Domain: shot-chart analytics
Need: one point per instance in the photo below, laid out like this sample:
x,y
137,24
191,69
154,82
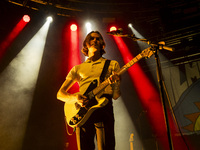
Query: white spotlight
x,y
49,19
88,27
130,25
22,72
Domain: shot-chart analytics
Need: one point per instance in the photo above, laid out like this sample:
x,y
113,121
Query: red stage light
x,y
150,100
26,18
71,57
10,38
113,28
73,27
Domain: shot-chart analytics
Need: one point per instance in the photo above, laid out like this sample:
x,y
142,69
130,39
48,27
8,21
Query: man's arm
x,y
64,96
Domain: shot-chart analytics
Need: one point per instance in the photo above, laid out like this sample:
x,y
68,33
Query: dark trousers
x,y
101,124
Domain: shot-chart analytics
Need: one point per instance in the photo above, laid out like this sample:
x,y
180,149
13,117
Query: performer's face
x,y
94,44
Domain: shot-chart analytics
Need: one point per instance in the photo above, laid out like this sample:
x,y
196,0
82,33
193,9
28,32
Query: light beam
x,y
10,38
18,82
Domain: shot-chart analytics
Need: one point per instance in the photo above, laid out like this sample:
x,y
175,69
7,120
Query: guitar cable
x,y
66,126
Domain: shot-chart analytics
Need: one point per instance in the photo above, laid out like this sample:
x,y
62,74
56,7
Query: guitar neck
x,y
129,64
102,86
105,83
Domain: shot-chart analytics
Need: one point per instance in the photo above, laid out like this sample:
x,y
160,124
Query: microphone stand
x,y
161,88
156,48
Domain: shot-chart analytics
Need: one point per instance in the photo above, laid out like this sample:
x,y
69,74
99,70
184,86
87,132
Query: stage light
x,y
137,34
73,27
88,26
71,57
49,19
22,72
26,18
12,35
142,45
148,96
150,99
113,28
74,49
130,25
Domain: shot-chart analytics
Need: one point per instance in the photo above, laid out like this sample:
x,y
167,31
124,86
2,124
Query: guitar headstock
x,y
147,53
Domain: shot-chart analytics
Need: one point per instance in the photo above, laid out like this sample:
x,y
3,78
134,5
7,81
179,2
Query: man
x,y
101,121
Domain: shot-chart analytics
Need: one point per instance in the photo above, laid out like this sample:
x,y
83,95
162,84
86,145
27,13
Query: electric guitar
x,y
76,115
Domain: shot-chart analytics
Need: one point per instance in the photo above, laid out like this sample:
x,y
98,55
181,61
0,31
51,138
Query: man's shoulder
x,y
114,61
111,60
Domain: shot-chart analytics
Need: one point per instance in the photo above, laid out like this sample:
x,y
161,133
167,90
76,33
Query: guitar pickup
x,y
77,106
90,95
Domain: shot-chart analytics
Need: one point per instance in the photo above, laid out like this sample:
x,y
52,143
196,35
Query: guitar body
x,y
76,115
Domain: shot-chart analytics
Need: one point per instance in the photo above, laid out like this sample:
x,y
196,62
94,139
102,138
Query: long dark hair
x,y
87,40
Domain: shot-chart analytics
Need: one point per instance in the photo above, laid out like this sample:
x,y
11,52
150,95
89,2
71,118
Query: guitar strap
x,y
104,71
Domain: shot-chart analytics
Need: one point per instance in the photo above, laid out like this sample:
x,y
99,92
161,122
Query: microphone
x,y
116,32
161,45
